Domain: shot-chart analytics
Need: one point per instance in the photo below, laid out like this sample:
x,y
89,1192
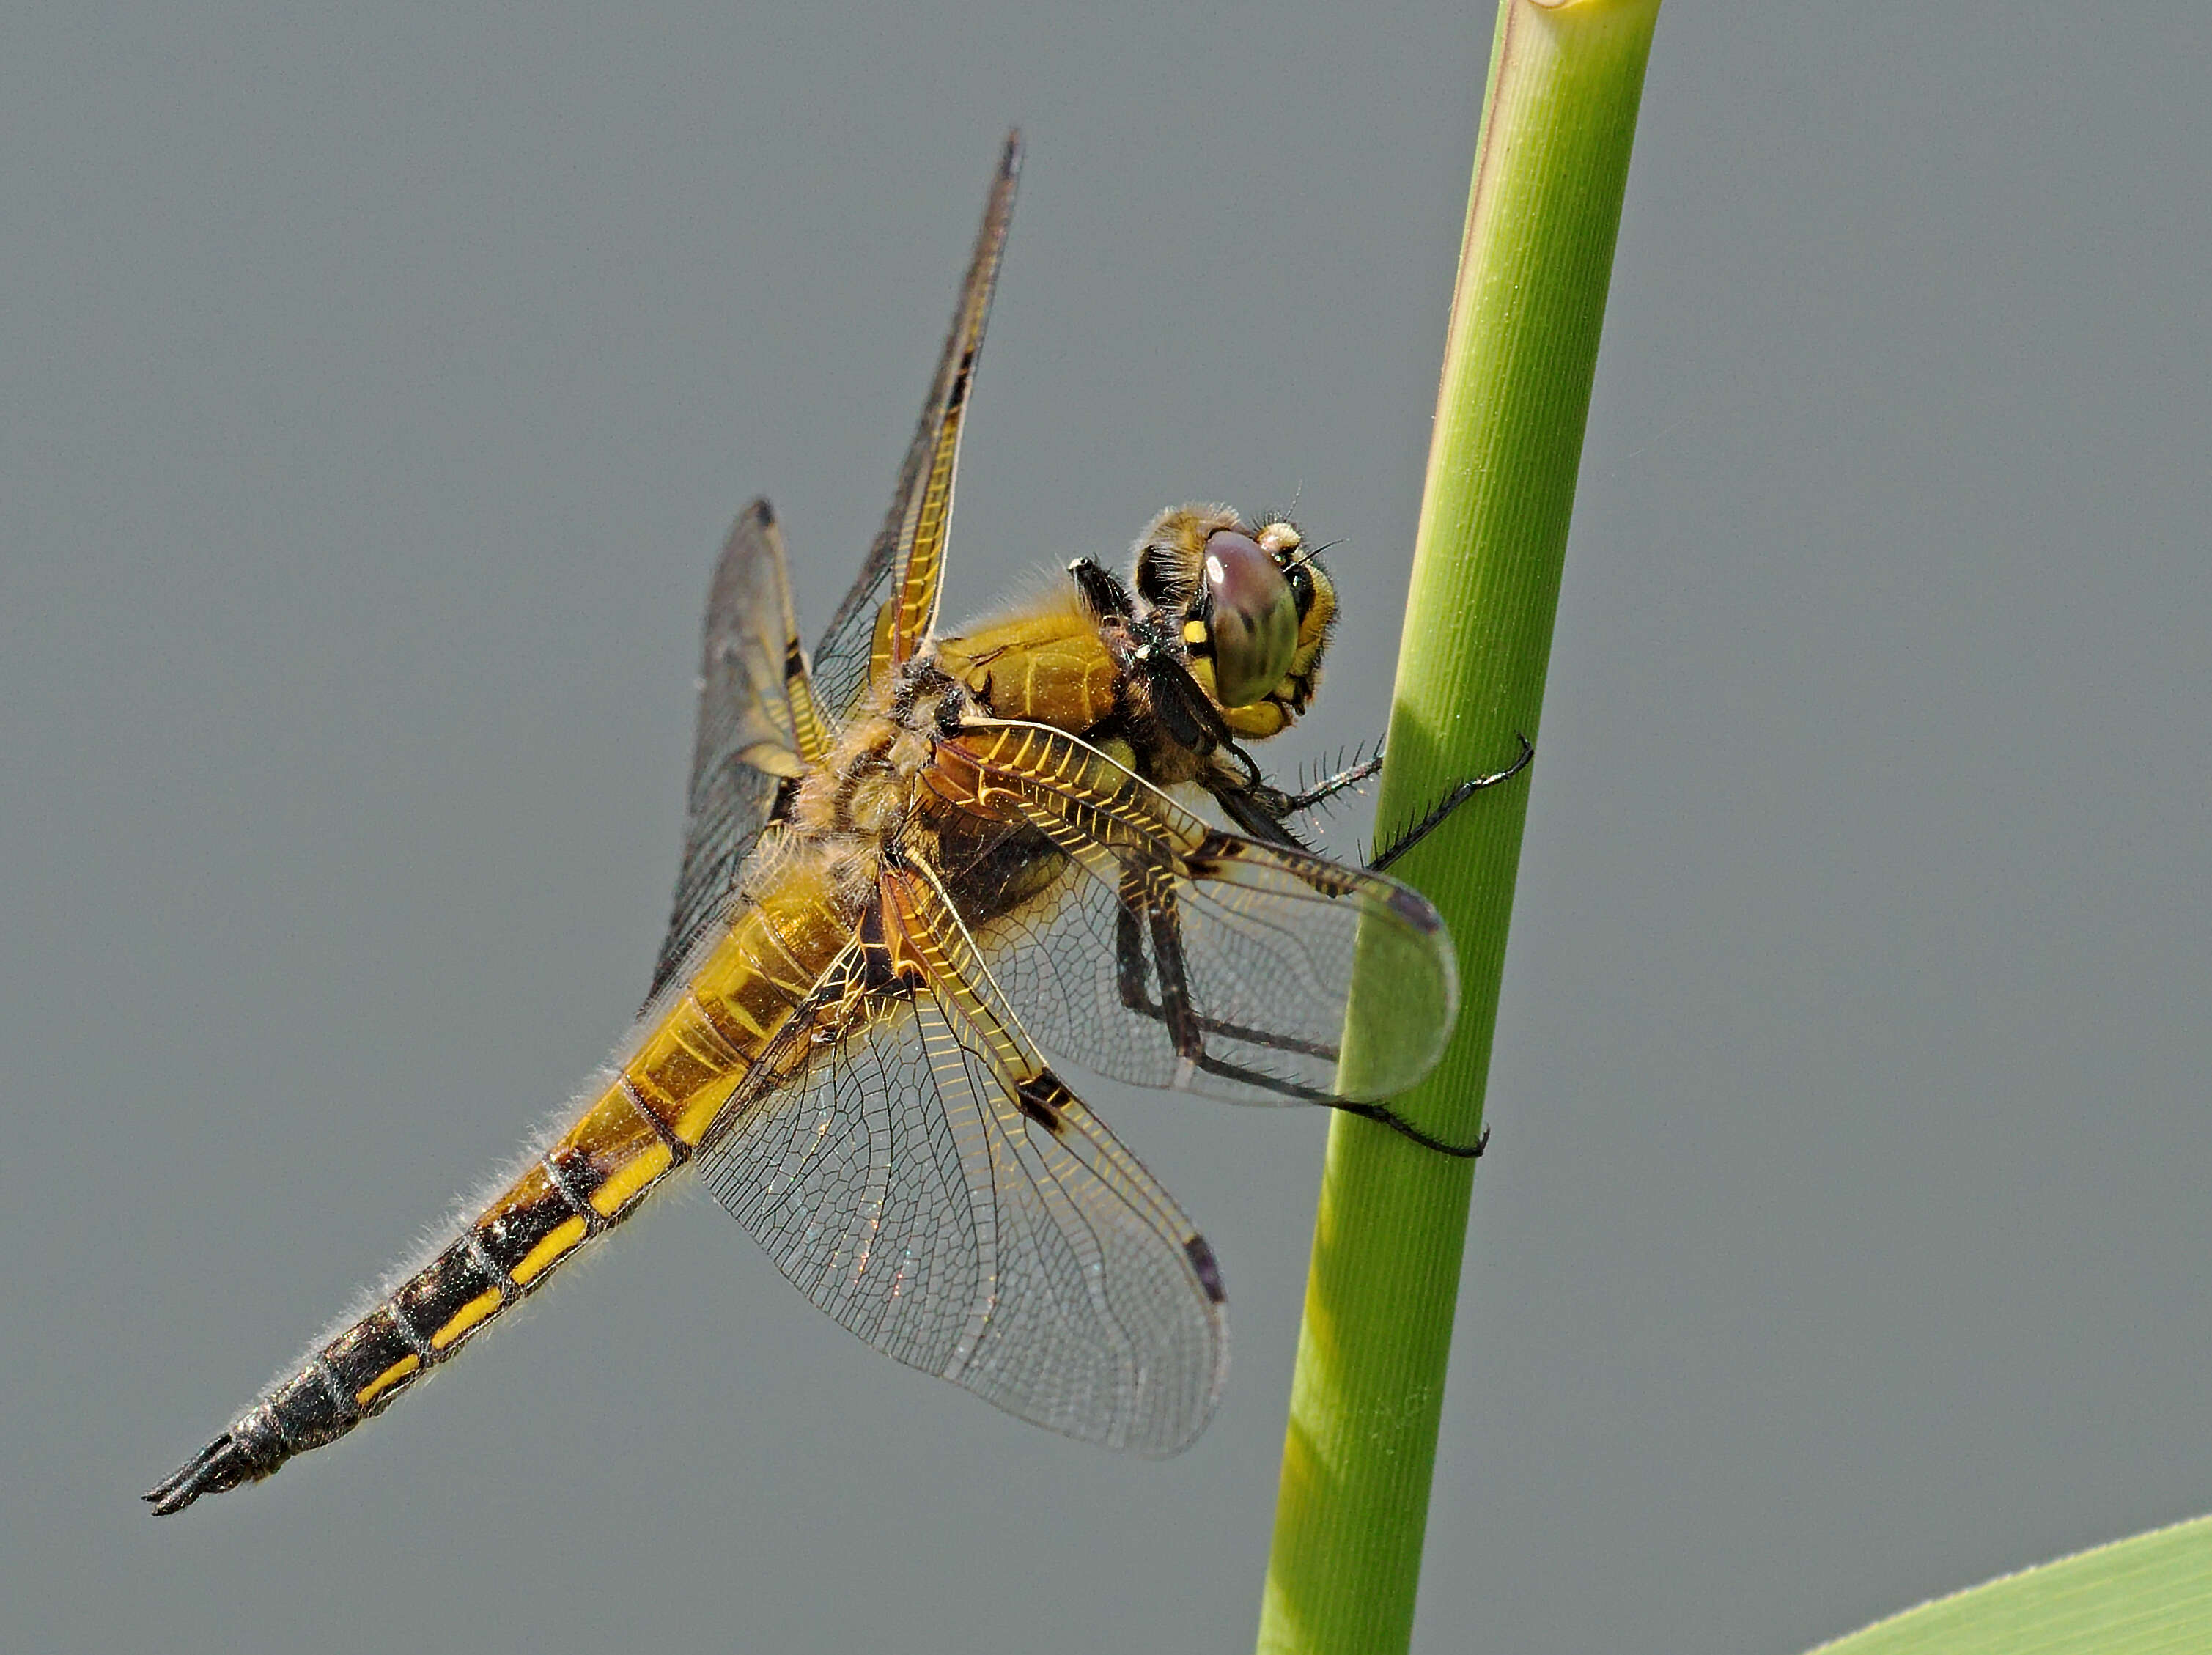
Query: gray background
x,y
378,389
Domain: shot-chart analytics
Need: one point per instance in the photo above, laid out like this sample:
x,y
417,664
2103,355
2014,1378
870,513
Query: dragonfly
x,y
914,861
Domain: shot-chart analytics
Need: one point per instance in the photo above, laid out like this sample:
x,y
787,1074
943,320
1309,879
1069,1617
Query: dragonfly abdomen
x,y
689,1055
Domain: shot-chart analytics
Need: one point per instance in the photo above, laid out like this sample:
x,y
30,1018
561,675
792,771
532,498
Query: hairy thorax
x,y
1051,663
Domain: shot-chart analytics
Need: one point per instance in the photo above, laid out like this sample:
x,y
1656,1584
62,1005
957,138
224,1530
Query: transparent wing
x,y
893,605
919,1174
1159,949
758,726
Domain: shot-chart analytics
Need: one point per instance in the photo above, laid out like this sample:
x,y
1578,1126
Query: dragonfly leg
x,y
1325,789
1264,812
1186,1029
1175,1010
1398,1123
1183,1021
1457,796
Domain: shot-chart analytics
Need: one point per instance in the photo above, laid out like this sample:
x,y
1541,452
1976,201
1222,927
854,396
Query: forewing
x,y
921,1176
893,605
1171,953
758,726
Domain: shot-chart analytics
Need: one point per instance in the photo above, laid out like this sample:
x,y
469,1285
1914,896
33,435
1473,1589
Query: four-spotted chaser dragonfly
x,y
909,864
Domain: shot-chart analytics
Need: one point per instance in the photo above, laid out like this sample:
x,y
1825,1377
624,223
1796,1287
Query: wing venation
x,y
1172,953
920,1175
892,605
757,728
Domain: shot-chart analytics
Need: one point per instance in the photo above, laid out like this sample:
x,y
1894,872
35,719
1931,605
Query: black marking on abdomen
x,y
323,1400
509,1288
573,1175
312,1408
432,1297
341,1400
511,1237
365,1352
417,1339
678,1151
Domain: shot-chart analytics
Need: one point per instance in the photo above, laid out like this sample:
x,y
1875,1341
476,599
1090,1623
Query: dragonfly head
x,y
1254,606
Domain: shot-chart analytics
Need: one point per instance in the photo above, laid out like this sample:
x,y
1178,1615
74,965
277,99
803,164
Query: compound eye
x,y
1254,619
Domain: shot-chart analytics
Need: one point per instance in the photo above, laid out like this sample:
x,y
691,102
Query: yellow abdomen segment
x,y
682,1068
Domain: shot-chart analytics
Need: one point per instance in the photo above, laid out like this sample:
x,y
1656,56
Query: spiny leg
x,y
1051,787
1181,1017
1458,795
1325,789
1187,1028
1175,1009
1383,1116
1451,802
1264,812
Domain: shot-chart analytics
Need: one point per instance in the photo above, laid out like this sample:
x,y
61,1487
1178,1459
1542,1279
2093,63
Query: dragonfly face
x,y
911,865
1256,609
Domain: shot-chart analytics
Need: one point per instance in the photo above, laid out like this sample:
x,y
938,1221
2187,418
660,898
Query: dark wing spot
x,y
1044,1100
1209,1273
878,969
1214,852
1418,912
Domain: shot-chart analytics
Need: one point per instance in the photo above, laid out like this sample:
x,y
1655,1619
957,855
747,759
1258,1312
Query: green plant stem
x,y
1551,167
